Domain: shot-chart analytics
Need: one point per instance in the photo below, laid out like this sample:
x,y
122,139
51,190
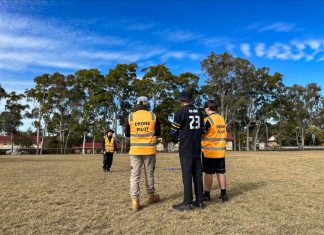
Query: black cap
x,y
110,130
186,96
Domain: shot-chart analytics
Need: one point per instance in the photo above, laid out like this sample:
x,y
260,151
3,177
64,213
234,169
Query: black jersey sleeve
x,y
176,124
127,128
202,124
207,126
157,127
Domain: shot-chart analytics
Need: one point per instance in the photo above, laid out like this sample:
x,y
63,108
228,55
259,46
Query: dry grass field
x,y
269,192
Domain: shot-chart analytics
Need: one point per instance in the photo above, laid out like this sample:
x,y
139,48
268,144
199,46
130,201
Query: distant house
x,y
88,146
229,142
5,142
272,142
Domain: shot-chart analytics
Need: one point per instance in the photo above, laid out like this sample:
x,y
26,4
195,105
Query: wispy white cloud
x,y
19,60
180,55
140,26
260,49
279,27
179,35
275,27
279,51
217,42
245,48
320,59
26,43
120,56
308,50
15,41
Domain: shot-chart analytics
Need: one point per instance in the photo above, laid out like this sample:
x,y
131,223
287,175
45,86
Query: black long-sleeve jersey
x,y
189,123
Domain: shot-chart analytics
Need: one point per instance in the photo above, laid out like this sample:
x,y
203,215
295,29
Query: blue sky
x,y
39,37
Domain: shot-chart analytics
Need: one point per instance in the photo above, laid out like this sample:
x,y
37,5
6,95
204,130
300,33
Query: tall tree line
x,y
81,106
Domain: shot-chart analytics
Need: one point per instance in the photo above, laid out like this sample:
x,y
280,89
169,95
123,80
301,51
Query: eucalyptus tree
x,y
221,82
306,106
258,92
3,93
161,81
87,88
42,107
225,82
120,80
12,117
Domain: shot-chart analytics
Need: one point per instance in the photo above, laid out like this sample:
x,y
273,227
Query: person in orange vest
x,y
108,148
142,126
213,146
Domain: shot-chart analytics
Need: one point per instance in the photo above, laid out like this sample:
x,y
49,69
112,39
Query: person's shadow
x,y
234,191
238,189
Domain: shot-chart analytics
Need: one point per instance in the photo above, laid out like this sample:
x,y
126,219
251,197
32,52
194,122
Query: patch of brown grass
x,y
269,192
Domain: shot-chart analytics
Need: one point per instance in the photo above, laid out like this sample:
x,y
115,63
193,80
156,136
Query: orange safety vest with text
x,y
142,133
109,145
213,143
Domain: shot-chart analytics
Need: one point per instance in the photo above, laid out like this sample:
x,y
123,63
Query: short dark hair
x,y
212,105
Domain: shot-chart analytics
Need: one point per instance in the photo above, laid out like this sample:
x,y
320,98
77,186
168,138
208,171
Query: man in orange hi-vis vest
x,y
213,146
142,127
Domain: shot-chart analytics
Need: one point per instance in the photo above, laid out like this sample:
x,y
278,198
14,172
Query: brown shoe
x,y
152,198
135,204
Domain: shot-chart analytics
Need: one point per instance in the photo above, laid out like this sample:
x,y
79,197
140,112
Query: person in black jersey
x,y
189,125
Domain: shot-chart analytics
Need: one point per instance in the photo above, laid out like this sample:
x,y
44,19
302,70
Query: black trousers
x,y
191,171
107,160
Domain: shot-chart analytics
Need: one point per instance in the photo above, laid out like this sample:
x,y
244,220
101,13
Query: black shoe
x,y
224,198
108,170
206,198
182,207
199,205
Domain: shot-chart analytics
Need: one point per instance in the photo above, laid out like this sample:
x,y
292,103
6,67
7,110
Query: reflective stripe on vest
x,y
213,143
210,121
213,148
142,144
215,139
142,133
109,146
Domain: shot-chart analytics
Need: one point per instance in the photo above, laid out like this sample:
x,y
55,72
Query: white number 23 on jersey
x,y
194,122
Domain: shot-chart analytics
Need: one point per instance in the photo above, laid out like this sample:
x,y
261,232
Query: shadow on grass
x,y
178,196
240,188
237,190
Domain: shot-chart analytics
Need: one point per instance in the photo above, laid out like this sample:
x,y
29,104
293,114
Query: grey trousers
x,y
136,165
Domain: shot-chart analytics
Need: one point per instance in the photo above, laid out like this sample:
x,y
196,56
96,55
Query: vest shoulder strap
x,y
210,120
130,117
153,116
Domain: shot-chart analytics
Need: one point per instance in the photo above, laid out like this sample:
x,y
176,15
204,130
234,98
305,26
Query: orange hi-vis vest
x,y
109,145
142,133
213,143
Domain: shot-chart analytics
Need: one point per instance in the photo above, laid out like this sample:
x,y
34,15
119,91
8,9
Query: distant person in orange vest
x,y
142,127
213,147
108,148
